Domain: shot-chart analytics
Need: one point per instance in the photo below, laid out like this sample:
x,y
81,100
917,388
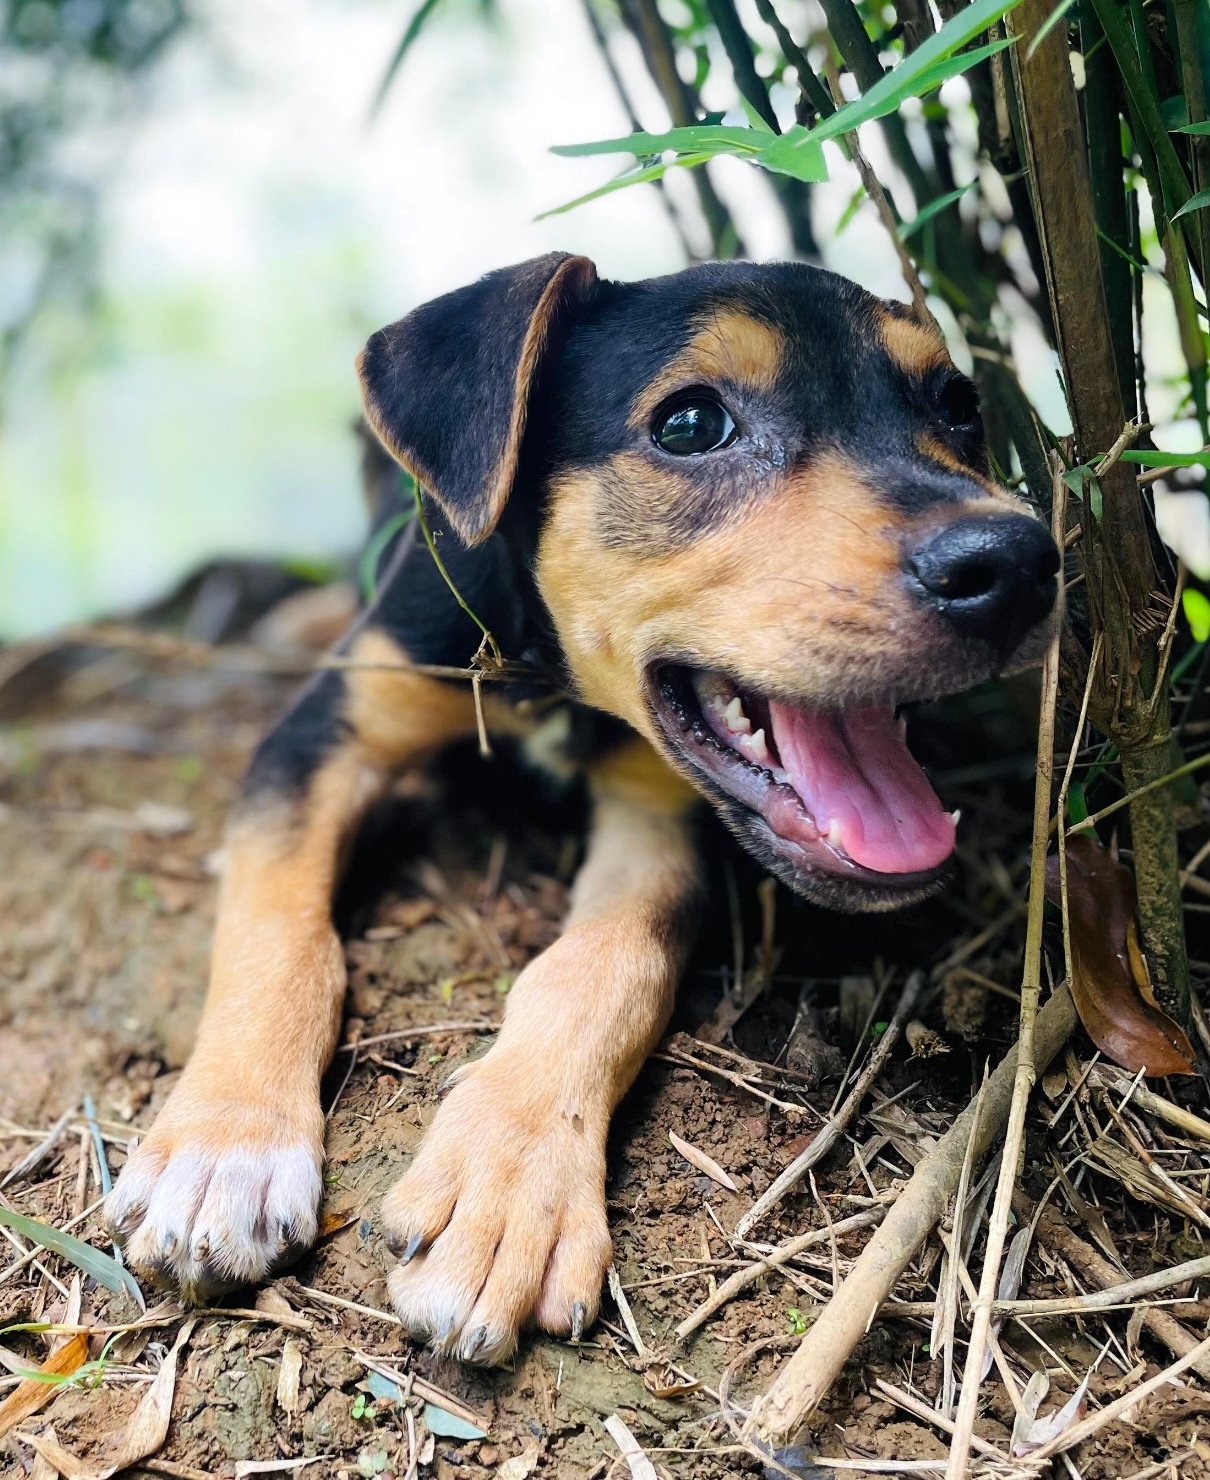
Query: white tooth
x,y
754,747
956,814
902,724
833,834
734,717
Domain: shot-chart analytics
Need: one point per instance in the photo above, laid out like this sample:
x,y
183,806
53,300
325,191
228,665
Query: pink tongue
x,y
854,769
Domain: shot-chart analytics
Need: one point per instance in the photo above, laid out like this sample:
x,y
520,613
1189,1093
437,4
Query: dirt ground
x,y
116,771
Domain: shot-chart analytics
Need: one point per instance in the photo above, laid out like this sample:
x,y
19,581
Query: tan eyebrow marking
x,y
913,349
730,346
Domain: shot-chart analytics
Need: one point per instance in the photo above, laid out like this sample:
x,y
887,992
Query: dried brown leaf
x,y
1110,988
289,1375
702,1162
140,1437
34,1393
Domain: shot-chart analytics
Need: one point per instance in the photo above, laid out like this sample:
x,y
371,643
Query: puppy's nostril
x,y
991,578
962,582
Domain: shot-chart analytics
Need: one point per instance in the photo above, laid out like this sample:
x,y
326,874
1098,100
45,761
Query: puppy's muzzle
x,y
991,579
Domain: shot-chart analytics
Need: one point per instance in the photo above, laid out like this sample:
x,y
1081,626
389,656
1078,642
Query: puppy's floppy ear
x,y
447,388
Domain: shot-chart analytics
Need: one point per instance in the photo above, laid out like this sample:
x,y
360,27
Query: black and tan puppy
x,y
743,510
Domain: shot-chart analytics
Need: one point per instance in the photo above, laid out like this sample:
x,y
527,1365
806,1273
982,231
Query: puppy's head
x,y
763,524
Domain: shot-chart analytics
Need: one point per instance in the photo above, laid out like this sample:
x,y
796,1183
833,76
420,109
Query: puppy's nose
x,y
990,578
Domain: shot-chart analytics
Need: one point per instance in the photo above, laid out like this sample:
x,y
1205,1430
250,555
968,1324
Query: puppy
x,y
739,516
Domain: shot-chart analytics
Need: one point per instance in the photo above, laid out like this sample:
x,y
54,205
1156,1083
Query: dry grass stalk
x,y
805,1379
1031,989
742,1278
837,1124
1097,1270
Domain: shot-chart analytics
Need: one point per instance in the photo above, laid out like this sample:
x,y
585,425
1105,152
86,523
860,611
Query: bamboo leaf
x,y
696,138
101,1267
1151,457
413,30
934,208
631,177
1048,25
1198,202
1194,128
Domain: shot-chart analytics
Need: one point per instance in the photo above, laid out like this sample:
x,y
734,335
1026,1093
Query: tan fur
x,y
729,347
508,1188
799,595
914,349
248,1101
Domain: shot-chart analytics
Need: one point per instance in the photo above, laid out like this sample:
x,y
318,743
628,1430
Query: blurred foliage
x,y
67,68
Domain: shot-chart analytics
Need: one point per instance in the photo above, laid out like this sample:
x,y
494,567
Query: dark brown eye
x,y
957,403
693,425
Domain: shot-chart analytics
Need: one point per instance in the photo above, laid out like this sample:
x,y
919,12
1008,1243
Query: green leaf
x,y
846,216
798,153
1198,202
934,208
448,1425
696,138
414,28
1048,25
1194,128
101,1267
631,177
1153,458
1077,804
931,64
1197,613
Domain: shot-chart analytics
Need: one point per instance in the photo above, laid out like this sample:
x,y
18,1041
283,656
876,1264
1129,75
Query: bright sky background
x,y
257,228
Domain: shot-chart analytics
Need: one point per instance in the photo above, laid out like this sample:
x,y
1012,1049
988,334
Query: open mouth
x,y
839,789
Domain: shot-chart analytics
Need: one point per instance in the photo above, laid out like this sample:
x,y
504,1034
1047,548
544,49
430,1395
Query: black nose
x,y
991,578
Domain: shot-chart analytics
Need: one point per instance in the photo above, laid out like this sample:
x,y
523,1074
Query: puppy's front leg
x,y
500,1221
227,1184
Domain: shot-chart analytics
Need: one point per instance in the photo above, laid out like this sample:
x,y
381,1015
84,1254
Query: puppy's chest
x,y
555,736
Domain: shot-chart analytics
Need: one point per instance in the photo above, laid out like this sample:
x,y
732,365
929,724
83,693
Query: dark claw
x,y
448,1331
401,1250
476,1343
577,1320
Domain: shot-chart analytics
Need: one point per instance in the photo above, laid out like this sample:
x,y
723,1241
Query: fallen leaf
x,y
102,1267
288,1376
664,1383
332,1223
1043,1430
141,1436
43,1469
1110,988
448,1425
273,1466
522,1465
702,1162
35,1392
637,1462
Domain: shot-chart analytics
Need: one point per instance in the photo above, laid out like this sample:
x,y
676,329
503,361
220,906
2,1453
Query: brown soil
x,y
107,906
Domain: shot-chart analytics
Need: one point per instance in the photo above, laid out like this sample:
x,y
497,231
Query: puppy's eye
x,y
695,424
957,402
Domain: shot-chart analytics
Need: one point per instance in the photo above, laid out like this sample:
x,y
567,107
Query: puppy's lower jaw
x,y
224,1190
500,1221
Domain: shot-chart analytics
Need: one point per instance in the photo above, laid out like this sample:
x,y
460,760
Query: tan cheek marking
x,y
729,347
805,571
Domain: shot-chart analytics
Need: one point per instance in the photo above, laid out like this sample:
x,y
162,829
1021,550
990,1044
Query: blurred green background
x,y
200,222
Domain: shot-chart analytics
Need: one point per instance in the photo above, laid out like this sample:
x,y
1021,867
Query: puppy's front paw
x,y
500,1221
220,1194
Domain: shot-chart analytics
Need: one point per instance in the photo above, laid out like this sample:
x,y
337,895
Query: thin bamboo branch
x,y
836,1125
1023,1082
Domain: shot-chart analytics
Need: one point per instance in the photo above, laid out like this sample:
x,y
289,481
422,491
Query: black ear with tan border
x,y
447,388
